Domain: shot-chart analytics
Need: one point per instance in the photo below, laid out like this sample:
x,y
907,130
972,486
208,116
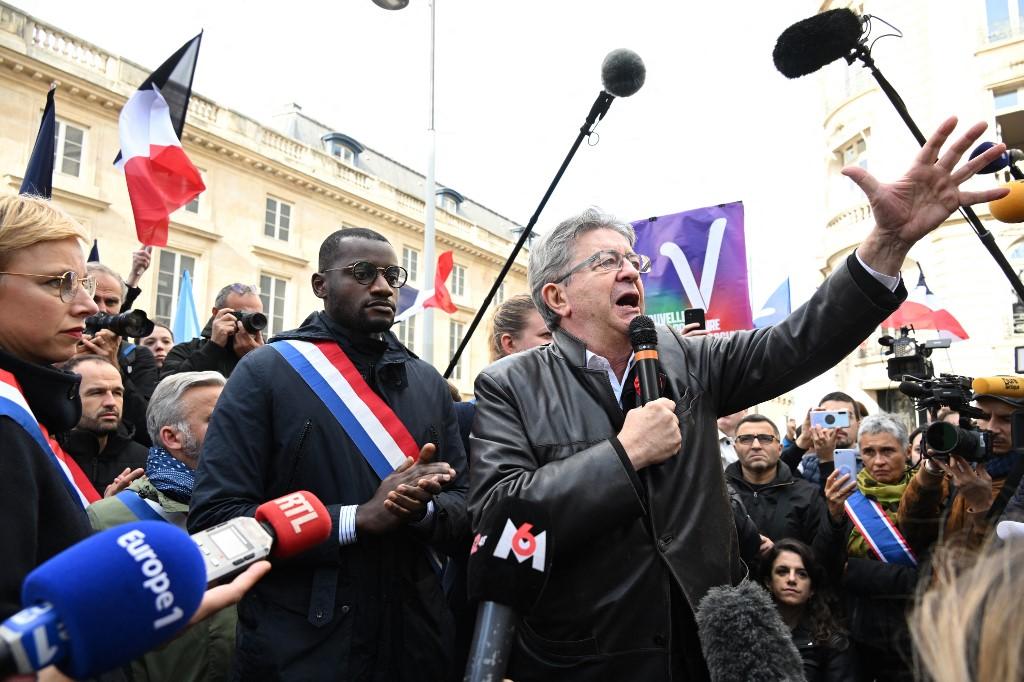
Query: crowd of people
x,y
650,506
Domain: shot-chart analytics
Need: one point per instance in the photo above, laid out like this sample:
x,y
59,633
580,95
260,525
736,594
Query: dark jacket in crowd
x,y
41,518
788,507
200,355
102,467
140,375
636,551
830,662
372,610
746,530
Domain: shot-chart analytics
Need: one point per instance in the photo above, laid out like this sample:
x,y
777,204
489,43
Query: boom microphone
x,y
644,339
743,636
104,601
509,564
1003,386
622,72
284,527
808,45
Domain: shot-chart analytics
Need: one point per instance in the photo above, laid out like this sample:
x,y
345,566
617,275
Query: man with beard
x,y
102,444
815,447
340,408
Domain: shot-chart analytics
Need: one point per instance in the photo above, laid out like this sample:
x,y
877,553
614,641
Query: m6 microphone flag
x,y
105,601
509,564
644,339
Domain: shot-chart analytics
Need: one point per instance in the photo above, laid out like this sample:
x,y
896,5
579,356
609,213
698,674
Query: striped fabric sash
x,y
878,530
14,405
138,506
374,427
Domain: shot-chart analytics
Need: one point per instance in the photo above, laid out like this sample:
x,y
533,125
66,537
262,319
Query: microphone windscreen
x,y
997,164
642,332
510,559
622,72
300,522
1007,387
808,45
743,636
1009,209
120,593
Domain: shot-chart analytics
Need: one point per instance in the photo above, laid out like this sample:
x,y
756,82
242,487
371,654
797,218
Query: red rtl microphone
x,y
284,527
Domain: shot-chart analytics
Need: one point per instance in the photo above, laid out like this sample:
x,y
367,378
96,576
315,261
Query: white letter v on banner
x,y
699,296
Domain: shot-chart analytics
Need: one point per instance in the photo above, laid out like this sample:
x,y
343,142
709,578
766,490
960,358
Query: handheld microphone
x,y
284,527
1007,159
509,564
1003,386
808,45
644,338
743,636
1009,209
104,601
622,72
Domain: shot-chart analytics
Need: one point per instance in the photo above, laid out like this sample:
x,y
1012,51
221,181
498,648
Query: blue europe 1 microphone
x,y
1004,160
509,564
105,601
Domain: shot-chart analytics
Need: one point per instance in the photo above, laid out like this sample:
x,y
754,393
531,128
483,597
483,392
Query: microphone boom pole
x,y
600,108
988,240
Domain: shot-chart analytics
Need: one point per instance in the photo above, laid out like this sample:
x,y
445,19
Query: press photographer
x,y
235,328
107,335
957,490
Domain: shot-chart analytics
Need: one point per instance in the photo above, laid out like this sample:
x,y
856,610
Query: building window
x,y
344,153
406,332
193,206
411,262
1004,18
446,202
278,220
343,147
499,295
1016,258
170,269
68,143
458,287
272,294
455,332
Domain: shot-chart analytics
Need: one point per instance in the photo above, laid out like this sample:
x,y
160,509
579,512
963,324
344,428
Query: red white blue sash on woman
x,y
878,530
374,427
14,405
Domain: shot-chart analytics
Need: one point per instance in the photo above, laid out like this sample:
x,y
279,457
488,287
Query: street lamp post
x,y
429,192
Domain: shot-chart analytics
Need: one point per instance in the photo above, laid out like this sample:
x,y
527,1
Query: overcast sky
x,y
714,123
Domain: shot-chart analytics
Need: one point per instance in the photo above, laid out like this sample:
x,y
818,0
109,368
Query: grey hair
x,y
166,407
884,422
552,257
93,267
241,289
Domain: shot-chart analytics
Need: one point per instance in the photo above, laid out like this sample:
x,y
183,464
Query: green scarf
x,y
887,495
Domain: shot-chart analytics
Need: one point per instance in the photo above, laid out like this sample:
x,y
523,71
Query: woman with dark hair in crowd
x,y
797,583
160,342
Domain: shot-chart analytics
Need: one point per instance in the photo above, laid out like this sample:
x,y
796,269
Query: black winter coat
x,y
372,610
789,507
140,375
41,518
824,663
102,467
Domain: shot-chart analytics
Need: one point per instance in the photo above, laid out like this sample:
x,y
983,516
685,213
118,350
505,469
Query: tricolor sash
x,y
882,536
374,427
13,405
138,506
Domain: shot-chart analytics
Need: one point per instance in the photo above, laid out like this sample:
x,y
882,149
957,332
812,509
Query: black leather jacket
x,y
545,430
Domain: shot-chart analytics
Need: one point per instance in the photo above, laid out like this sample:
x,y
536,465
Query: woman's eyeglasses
x,y
66,284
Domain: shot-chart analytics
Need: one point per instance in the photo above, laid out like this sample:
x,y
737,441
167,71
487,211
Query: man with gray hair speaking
x,y
641,525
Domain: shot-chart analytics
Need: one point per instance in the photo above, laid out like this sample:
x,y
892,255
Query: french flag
x,y
438,297
923,310
160,177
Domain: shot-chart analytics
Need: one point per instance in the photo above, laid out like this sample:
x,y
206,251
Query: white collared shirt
x,y
595,361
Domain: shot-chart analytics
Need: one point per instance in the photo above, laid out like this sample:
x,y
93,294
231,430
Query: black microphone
x,y
644,338
508,567
743,636
1006,159
622,72
808,45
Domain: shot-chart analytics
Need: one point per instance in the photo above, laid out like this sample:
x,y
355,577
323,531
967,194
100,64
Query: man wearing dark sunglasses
x,y
780,504
368,603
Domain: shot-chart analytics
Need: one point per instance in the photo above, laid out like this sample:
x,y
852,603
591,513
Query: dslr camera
x,y
252,322
134,323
